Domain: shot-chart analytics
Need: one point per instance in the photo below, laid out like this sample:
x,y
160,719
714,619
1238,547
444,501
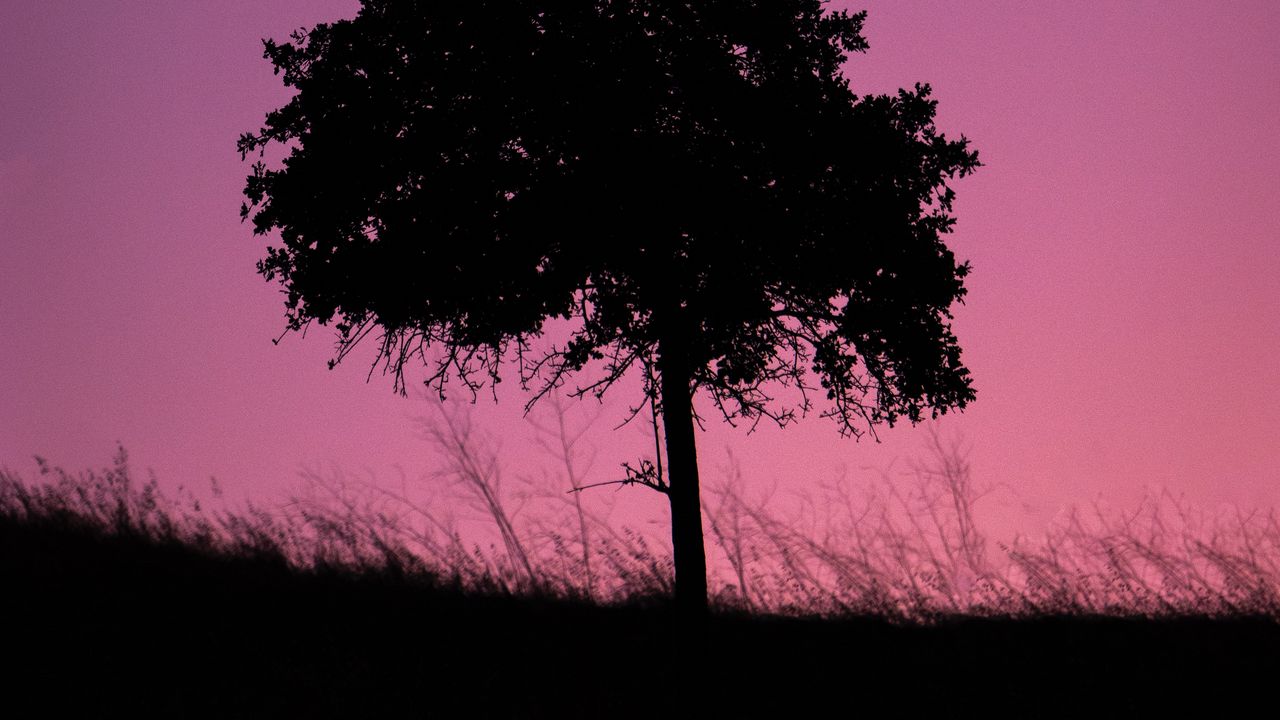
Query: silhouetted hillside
x,y
103,619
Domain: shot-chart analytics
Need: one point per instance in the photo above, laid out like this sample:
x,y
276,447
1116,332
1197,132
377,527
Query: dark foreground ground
x,y
103,626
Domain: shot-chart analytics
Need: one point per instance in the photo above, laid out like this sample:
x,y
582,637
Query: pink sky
x,y
1122,323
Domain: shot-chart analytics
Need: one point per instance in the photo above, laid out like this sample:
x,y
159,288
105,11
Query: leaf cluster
x,y
660,173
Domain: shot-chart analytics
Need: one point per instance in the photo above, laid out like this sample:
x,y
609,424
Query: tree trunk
x,y
682,476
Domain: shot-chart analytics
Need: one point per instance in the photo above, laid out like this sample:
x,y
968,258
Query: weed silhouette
x,y
353,599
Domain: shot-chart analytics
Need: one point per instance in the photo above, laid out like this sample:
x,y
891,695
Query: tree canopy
x,y
694,185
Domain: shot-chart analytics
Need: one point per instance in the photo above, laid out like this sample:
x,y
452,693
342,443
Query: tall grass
x,y
909,551
109,502
914,551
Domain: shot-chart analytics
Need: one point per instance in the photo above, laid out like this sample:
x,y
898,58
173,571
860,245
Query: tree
x,y
691,186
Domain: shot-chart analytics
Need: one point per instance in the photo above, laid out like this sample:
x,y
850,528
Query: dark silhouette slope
x,y
98,620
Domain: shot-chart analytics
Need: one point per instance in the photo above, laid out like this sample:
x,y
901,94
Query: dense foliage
x,y
694,186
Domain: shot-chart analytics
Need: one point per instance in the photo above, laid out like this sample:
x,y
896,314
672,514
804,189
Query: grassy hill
x,y
107,612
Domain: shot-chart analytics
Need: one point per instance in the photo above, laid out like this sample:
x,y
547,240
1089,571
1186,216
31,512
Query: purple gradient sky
x,y
1122,324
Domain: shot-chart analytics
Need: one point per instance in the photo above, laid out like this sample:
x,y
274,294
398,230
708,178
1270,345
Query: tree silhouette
x,y
692,186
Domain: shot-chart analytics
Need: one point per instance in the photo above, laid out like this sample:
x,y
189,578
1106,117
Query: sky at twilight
x,y
1122,322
